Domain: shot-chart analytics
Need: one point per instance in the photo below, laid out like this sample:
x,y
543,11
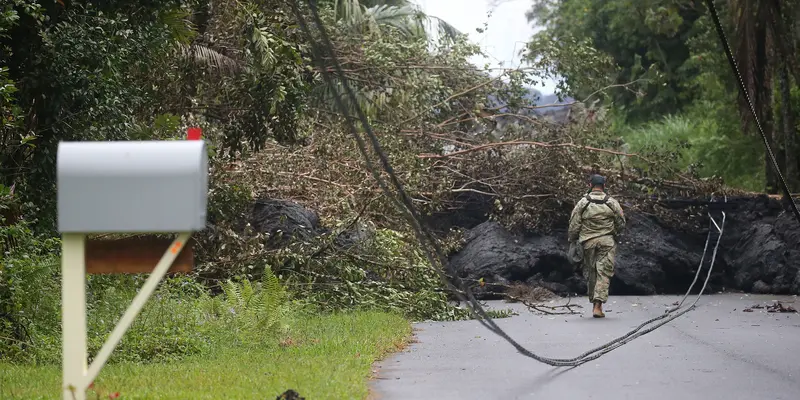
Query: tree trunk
x,y
780,124
771,186
792,161
788,125
765,98
755,25
783,25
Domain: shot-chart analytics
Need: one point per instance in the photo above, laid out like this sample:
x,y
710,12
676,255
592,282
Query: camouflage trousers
x,y
598,266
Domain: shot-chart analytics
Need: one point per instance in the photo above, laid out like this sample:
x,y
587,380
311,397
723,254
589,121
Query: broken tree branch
x,y
532,143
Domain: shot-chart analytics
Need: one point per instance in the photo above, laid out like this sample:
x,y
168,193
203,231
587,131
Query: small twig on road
x,y
563,309
550,310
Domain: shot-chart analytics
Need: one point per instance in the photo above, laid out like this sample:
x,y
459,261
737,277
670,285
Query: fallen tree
x,y
498,195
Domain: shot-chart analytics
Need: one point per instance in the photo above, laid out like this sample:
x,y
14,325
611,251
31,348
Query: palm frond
x,y
179,25
349,10
270,282
248,293
436,28
445,29
255,309
208,57
406,17
396,3
326,95
233,294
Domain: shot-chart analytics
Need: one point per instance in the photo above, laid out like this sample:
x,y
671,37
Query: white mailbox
x,y
121,187
128,186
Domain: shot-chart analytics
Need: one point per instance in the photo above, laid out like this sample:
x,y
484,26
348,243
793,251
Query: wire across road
x,y
716,352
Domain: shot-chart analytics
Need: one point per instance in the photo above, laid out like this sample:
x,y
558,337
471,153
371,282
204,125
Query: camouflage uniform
x,y
594,226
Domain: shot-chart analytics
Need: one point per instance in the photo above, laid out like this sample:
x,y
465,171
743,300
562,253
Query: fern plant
x,y
255,310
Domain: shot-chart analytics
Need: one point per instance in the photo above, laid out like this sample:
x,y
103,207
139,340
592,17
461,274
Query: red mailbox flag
x,y
193,133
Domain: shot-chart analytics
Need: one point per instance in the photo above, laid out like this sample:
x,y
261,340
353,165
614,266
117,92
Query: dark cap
x,y
597,180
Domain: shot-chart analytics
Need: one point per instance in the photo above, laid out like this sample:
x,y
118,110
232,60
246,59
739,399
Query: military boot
x,y
597,312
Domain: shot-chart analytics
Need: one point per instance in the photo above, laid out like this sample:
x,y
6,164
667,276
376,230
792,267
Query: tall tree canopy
x,y
644,39
665,58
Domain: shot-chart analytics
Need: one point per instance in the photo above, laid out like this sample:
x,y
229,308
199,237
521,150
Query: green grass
x,y
325,357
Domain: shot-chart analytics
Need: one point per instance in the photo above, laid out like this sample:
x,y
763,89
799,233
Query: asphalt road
x,y
716,351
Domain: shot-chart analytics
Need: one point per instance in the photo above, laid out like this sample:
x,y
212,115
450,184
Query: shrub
x,y
390,274
704,142
169,327
29,285
181,318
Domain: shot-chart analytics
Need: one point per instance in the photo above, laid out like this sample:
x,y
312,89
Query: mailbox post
x,y
122,187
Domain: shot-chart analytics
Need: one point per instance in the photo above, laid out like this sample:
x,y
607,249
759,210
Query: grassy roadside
x,y
327,357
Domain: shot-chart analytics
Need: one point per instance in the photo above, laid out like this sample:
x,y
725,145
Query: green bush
x,y
181,318
390,273
666,140
721,148
169,327
30,308
386,272
706,141
29,284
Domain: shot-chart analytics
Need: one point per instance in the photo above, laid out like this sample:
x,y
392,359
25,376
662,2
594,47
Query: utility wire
x,y
743,89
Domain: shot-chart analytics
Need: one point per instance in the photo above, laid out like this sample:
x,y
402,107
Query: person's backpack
x,y
604,200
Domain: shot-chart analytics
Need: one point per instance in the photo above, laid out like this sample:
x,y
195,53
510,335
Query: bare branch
x,y
459,94
596,92
532,143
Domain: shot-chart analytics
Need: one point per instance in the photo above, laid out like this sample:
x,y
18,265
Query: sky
x,y
507,31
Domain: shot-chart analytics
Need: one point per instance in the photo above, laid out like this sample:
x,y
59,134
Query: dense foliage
x,y
668,62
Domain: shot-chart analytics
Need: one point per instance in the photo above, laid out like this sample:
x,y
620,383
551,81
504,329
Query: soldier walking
x,y
595,222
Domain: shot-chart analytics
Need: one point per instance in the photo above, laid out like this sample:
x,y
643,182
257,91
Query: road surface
x,y
716,351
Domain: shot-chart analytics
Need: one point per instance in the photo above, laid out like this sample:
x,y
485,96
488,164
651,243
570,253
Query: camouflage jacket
x,y
590,220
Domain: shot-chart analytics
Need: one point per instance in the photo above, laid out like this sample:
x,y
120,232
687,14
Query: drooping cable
x,y
743,88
